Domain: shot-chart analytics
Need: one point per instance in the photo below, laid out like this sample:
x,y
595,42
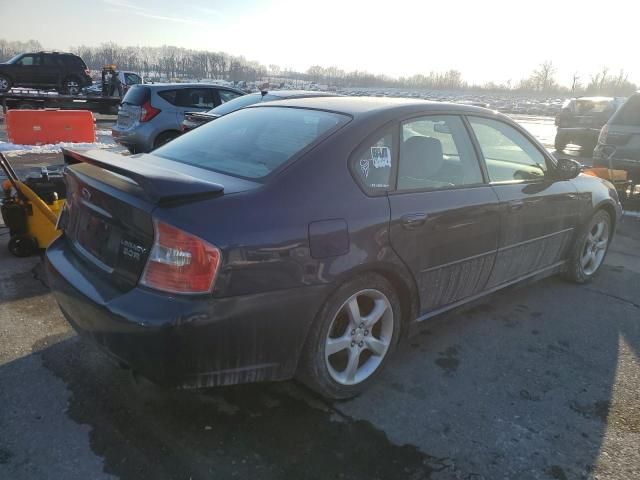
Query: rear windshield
x,y
591,106
251,143
241,102
629,113
136,95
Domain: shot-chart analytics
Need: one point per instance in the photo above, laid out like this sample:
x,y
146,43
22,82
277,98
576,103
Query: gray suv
x,y
151,115
623,132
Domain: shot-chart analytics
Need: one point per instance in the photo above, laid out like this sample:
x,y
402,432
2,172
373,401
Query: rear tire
x,y
357,328
5,83
71,86
164,138
590,248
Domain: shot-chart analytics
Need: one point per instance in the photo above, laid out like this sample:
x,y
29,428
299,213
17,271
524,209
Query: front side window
x,y
436,153
28,60
508,154
372,163
251,143
226,95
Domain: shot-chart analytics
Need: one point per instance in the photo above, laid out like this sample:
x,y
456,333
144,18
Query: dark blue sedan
x,y
305,237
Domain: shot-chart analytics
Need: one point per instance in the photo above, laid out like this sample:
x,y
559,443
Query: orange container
x,y
40,127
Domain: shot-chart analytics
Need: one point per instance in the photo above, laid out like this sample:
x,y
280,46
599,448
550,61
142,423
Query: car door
x,y
444,216
25,70
538,213
49,69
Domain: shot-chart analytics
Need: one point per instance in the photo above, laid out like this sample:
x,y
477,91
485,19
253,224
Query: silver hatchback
x,y
151,115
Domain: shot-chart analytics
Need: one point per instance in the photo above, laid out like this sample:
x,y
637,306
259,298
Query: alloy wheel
x,y
72,87
595,247
359,337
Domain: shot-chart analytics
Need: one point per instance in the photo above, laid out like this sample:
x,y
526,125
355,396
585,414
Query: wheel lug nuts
x,y
361,344
353,332
366,332
362,325
353,343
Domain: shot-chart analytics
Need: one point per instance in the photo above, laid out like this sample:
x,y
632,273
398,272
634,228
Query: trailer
x,y
26,99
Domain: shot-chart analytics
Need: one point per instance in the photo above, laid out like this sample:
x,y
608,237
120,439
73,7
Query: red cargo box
x,y
40,127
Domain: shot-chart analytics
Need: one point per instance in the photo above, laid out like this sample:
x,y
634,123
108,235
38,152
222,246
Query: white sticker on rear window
x,y
381,157
364,166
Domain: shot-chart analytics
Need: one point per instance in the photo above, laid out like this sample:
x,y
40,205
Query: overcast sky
x,y
484,39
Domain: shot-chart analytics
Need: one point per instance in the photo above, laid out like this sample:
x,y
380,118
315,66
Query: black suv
x,y
581,119
65,72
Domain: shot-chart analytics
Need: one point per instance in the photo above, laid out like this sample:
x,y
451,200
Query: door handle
x,y
413,220
515,205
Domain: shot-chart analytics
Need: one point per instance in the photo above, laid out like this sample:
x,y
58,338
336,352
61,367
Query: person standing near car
x,y
115,85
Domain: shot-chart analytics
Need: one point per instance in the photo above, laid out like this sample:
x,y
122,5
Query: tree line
x,y
176,63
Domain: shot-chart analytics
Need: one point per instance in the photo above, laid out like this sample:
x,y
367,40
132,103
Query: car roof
x,y
189,85
300,93
367,106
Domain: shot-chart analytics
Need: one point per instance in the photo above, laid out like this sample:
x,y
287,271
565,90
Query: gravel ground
x,y
539,382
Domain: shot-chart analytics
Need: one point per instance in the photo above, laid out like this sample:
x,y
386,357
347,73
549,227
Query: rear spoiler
x,y
160,185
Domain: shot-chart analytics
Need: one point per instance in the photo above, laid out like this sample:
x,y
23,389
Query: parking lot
x,y
537,382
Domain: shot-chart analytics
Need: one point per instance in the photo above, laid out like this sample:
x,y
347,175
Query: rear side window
x,y
372,163
629,113
190,97
137,95
49,61
251,143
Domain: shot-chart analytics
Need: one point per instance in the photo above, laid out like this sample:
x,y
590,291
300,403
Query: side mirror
x,y
566,169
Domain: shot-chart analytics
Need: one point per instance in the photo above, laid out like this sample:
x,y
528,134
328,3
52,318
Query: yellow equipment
x,y
31,209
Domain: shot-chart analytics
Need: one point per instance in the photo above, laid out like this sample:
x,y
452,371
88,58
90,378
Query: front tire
x,y
353,336
590,248
5,83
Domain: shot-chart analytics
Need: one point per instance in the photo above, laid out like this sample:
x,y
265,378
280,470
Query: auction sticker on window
x,y
381,157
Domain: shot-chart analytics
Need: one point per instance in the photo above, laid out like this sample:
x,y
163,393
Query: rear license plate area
x,y
94,234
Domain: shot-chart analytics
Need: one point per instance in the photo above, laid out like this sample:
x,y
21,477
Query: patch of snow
x,y
13,149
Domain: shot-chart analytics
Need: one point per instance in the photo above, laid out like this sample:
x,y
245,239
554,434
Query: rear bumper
x,y
138,138
185,342
579,133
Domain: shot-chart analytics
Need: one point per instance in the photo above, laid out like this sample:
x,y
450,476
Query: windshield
x,y
14,59
251,143
241,102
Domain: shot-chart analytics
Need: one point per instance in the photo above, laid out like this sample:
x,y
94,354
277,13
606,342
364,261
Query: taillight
x,y
604,132
180,262
148,111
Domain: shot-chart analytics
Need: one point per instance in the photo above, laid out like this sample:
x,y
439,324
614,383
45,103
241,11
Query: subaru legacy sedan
x,y
303,238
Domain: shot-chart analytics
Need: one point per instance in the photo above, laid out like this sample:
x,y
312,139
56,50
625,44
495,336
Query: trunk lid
x,y
110,200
